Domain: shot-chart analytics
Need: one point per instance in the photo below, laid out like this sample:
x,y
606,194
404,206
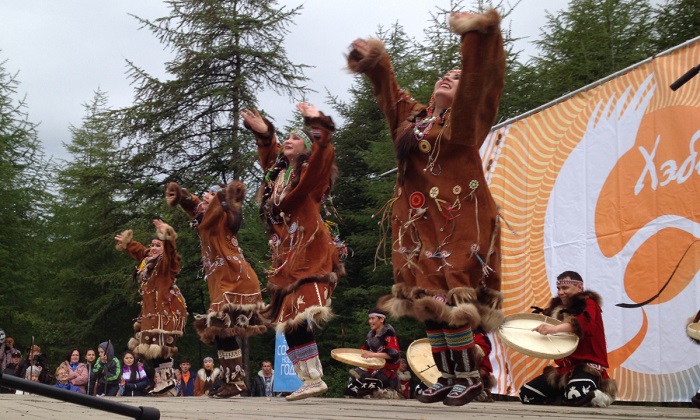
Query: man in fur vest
x,y
581,378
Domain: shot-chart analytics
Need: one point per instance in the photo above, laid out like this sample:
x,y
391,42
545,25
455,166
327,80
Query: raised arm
x,y
265,136
369,57
174,195
481,83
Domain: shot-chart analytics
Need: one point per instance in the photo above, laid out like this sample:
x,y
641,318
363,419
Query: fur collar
x,y
575,307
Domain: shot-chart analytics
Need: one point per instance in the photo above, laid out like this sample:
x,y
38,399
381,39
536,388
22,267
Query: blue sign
x,y
286,379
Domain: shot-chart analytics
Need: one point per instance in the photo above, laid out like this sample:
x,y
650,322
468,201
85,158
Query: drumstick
x,y
564,334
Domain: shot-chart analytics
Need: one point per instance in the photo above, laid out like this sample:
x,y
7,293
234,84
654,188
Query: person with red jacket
x,y
581,378
381,343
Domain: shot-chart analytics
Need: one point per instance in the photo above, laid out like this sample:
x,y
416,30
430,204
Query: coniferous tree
x,y
677,21
23,202
589,41
94,283
188,127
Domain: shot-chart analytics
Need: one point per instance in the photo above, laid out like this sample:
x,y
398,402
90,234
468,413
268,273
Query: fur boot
x,y
232,374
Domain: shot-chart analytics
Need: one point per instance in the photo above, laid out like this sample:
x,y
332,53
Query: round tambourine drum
x,y
420,358
693,330
516,332
354,357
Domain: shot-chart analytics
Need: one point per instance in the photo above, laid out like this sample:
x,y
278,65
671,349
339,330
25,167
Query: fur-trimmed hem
x,y
127,237
358,64
230,321
458,307
315,314
484,23
152,351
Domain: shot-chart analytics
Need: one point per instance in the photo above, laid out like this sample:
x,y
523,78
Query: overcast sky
x,y
65,50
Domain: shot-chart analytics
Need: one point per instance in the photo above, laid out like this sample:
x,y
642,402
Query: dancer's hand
x,y
254,120
308,110
361,49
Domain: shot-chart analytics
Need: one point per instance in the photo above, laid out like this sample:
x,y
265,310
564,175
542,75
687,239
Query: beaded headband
x,y
208,359
378,315
569,280
303,136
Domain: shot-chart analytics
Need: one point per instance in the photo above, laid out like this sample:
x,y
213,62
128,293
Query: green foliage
x,y
62,281
188,128
23,203
677,21
591,40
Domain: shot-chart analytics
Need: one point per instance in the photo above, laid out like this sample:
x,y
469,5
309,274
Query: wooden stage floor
x,y
36,407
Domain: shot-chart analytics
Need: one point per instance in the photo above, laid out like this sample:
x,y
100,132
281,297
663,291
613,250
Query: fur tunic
x,y
586,318
163,311
305,260
234,290
445,234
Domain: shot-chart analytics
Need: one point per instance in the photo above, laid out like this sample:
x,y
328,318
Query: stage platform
x,y
195,408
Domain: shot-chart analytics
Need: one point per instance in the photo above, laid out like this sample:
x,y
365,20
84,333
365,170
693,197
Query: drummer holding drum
x,y
580,378
381,343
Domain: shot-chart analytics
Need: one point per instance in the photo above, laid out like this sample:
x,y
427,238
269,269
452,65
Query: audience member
x,y
78,374
207,378
186,379
62,381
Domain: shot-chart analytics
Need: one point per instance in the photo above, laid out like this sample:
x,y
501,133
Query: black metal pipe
x,y
142,413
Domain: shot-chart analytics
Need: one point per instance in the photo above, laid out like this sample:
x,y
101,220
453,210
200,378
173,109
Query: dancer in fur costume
x,y
163,310
580,378
234,289
381,343
445,237
305,260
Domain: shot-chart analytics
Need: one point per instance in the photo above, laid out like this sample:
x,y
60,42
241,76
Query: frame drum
x,y
516,332
420,358
354,357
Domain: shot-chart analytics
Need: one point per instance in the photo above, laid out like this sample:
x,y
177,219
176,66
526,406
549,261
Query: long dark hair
x,y
134,368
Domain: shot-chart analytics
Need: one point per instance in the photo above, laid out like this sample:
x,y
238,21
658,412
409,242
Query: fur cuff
x,y
359,64
263,139
127,236
461,23
173,194
322,121
165,232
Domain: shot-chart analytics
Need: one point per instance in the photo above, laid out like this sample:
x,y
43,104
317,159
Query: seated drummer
x,y
581,378
381,343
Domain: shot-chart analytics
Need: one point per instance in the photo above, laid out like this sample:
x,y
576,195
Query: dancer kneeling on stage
x,y
381,343
581,378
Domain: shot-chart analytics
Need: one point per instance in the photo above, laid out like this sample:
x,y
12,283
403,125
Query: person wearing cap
x,y
235,300
381,343
445,224
581,378
207,378
163,315
306,265
12,369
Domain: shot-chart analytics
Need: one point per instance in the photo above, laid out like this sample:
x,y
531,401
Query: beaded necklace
x,y
281,185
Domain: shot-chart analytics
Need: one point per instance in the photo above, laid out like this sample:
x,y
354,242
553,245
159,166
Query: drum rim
x,y
534,353
693,330
336,354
